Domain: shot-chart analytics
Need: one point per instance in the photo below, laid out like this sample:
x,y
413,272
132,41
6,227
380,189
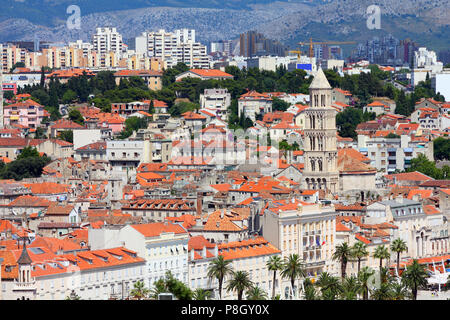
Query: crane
x,y
311,44
298,52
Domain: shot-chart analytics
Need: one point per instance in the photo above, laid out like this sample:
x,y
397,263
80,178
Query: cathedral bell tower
x,y
320,147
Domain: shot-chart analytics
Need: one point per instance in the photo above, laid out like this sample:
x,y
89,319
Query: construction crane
x,y
298,52
311,44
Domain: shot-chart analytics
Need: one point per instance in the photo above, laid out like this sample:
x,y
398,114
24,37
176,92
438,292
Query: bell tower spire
x,y
320,138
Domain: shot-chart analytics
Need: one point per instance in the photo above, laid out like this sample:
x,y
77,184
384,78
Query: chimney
x,y
221,213
217,224
199,204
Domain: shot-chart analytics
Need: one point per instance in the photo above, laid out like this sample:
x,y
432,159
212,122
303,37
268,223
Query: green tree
x,y
256,293
219,269
75,116
41,96
180,290
29,167
66,135
330,286
40,133
441,148
279,105
201,294
383,292
398,246
239,282
427,167
139,291
28,152
348,120
364,277
274,264
359,251
8,95
415,276
349,288
342,253
19,64
399,291
381,252
310,291
292,269
69,97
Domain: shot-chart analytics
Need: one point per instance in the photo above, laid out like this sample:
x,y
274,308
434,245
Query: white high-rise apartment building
x,y
107,40
173,47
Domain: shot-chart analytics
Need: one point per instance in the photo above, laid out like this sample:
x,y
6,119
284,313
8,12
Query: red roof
x,y
408,176
210,73
66,124
155,229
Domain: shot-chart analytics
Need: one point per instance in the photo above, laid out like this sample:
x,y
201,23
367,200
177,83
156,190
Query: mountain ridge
x,y
289,22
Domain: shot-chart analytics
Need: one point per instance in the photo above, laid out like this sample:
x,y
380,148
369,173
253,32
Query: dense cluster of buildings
x,y
107,213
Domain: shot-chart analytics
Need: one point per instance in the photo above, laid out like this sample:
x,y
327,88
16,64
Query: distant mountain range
x,y
424,21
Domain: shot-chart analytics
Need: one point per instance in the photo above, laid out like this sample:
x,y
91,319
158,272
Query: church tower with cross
x,y
320,171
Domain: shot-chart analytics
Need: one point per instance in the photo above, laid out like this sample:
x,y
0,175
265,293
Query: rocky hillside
x,y
425,21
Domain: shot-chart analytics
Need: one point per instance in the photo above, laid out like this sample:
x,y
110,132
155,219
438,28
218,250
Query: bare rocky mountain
x,y
425,21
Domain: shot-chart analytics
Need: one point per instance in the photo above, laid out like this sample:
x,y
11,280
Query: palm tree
x,y
274,264
292,269
398,246
201,294
414,277
329,286
381,252
384,292
399,291
256,293
310,290
240,281
364,277
342,254
219,269
350,288
140,291
359,251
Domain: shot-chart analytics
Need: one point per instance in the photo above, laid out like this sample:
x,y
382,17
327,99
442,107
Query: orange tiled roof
x,y
66,124
221,221
408,176
423,193
430,210
30,201
247,249
210,73
47,188
155,229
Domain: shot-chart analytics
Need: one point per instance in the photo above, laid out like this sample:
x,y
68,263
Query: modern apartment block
x,y
390,154
106,40
173,47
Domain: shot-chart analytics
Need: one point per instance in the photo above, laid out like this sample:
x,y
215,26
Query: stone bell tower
x,y
320,147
